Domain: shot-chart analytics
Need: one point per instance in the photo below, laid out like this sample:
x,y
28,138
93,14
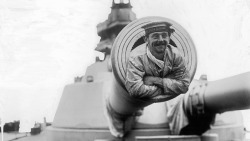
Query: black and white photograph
x,y
125,70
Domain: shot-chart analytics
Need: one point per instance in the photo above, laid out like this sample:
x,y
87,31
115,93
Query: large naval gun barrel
x,y
129,38
219,96
232,93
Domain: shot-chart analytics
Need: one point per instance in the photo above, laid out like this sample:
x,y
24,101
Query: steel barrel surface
x,y
232,93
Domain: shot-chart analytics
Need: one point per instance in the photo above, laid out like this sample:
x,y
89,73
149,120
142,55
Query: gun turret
x,y
80,113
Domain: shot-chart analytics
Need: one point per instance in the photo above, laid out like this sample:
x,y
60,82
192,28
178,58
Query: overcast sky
x,y
44,44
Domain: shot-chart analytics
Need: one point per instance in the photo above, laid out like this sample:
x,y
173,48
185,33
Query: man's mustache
x,y
159,43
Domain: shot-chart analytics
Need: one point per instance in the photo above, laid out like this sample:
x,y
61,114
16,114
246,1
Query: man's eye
x,y
164,35
156,36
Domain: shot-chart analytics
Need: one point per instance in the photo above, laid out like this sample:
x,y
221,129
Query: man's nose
x,y
160,38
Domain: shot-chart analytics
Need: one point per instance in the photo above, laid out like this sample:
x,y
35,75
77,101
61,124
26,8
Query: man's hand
x,y
149,80
152,80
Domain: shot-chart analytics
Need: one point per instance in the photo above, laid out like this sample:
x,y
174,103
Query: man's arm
x,y
134,81
177,82
152,80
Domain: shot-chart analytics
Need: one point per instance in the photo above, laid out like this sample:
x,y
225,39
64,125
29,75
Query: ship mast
x,y
121,15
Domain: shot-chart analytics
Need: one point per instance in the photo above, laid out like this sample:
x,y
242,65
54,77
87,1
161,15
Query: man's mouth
x,y
160,43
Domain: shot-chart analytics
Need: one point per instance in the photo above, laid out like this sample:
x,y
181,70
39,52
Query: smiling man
x,y
156,70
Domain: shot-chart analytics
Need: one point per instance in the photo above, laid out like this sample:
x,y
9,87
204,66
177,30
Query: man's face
x,y
158,41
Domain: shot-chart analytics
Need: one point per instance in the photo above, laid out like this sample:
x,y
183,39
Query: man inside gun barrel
x,y
156,72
